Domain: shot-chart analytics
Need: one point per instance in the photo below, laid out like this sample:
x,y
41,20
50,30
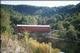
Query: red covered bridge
x,y
33,28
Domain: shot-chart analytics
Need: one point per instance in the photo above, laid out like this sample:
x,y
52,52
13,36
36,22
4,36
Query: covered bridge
x,y
33,28
35,31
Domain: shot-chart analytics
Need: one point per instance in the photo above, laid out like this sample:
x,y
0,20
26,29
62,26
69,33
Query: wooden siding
x,y
33,29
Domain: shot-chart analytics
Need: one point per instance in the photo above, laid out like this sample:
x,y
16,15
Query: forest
x,y
64,22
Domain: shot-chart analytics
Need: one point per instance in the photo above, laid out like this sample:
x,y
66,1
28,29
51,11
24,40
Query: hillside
x,y
64,22
45,11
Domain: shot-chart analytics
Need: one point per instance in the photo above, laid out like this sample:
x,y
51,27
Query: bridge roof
x,y
34,25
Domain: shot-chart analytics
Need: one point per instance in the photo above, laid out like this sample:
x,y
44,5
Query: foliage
x,y
64,22
26,45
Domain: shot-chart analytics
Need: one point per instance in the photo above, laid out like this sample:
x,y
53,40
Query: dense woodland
x,y
64,22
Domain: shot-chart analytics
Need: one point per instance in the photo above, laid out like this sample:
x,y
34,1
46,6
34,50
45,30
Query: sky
x,y
41,3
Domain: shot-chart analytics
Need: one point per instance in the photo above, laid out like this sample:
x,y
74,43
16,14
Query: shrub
x,y
25,45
